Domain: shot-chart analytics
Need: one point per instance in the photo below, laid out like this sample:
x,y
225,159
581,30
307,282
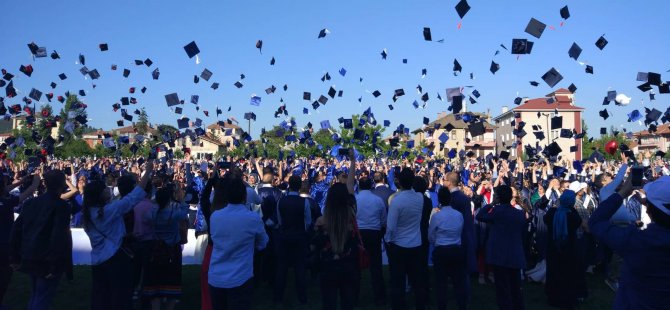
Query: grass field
x,y
75,295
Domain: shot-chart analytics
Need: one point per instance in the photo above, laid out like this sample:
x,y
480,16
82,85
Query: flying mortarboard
x,y
604,114
566,133
323,99
206,75
215,86
126,73
556,122
539,135
565,12
462,8
172,99
552,77
476,129
535,28
426,34
553,149
589,69
601,43
62,76
94,74
457,66
574,51
323,33
148,62
457,104
494,67
35,94
183,123
332,92
191,49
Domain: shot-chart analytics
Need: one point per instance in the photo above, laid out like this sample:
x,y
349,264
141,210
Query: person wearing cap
x,y
563,263
504,247
643,283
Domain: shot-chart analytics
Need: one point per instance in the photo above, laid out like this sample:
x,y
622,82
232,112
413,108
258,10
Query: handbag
x,y
363,257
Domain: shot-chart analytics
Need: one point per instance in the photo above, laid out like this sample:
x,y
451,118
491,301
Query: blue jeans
x,y
43,292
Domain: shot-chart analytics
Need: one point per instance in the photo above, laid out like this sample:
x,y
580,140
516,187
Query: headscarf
x,y
560,224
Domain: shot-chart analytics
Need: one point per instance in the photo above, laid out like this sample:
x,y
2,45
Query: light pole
x,y
546,115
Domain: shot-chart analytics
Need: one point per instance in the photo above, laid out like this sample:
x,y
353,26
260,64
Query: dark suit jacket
x,y
504,246
461,203
41,239
384,192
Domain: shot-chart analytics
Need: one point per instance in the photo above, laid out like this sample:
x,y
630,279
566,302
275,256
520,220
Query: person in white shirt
x,y
444,234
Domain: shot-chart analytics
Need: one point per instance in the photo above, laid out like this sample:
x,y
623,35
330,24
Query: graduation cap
x,y
138,62
35,94
565,13
82,59
94,74
552,149
652,116
556,122
566,133
494,67
574,51
323,33
172,99
82,93
126,73
535,28
191,49
589,69
476,129
539,135
259,46
552,77
332,92
62,76
426,34
255,100
215,86
322,99
384,54
238,84
27,70
54,55
520,46
376,93
272,61
601,43
604,114
270,90
148,62
664,88
206,75
660,153
250,116
457,66
155,74
462,8
634,116
347,123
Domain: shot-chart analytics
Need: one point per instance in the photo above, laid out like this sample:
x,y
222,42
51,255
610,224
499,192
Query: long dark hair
x,y
338,215
164,196
93,198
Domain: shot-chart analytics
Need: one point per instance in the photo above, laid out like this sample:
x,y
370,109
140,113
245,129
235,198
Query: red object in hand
x,y
611,147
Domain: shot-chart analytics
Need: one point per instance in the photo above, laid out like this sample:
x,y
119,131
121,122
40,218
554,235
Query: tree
x,y
142,124
365,148
73,148
71,105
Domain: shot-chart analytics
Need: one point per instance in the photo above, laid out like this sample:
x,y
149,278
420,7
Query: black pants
x,y
235,298
405,262
5,273
449,263
508,288
113,283
338,277
292,252
372,240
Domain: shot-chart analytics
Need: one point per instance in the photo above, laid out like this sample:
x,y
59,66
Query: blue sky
x,y
226,33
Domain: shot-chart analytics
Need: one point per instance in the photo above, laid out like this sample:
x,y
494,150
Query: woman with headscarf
x,y
563,267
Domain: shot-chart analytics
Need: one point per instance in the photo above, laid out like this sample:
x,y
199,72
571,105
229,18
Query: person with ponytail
x,y
563,265
112,276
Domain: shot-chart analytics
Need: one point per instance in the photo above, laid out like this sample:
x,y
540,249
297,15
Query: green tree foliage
x,y
142,124
74,148
366,148
64,115
588,147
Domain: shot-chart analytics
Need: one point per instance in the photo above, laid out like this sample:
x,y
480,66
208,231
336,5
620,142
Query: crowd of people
x,y
494,220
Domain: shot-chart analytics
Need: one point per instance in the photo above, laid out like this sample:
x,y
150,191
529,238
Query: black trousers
x,y
372,241
338,278
405,262
235,298
112,283
449,263
508,288
5,273
292,253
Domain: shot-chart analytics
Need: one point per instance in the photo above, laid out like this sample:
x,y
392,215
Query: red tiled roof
x,y
660,130
225,125
212,139
541,104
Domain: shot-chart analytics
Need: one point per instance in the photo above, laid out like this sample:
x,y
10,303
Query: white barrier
x,y
81,248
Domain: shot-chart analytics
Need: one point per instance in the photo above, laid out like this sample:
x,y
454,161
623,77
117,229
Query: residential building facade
x,y
481,145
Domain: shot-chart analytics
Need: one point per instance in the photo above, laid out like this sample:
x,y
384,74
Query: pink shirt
x,y
143,229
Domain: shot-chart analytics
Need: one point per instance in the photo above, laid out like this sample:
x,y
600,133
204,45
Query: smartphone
x,y
343,152
636,176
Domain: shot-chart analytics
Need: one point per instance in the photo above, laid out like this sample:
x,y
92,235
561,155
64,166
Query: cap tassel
x,y
562,24
459,25
552,27
197,60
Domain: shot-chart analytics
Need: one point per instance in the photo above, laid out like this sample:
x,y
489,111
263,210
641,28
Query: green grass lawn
x,y
76,295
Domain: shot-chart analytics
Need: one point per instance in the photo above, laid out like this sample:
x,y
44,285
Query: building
x,y
538,112
481,145
652,142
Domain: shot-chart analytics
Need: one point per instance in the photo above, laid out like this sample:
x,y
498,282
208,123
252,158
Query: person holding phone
x,y
646,265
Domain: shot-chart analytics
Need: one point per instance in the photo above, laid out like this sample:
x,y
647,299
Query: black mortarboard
x,y
391,107
652,116
191,49
552,77
94,74
82,93
54,55
172,99
323,33
148,62
315,105
35,94
332,92
535,28
376,93
272,61
572,88
155,74
307,96
644,87
82,59
27,70
215,86
462,8
539,135
457,66
206,74
604,114
104,47
62,76
323,99
53,85
533,83
553,149
359,134
589,69
119,123
565,13
494,67
424,97
456,104
126,73
476,129
178,110
654,78
601,43
603,130
139,62
182,123
659,153
520,46
426,34
664,88
566,133
238,84
574,51
573,148
399,92
259,45
504,155
556,122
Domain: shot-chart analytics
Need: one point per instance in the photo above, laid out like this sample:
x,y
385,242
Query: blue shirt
x,y
235,232
111,225
166,221
610,188
445,227
403,225
371,211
